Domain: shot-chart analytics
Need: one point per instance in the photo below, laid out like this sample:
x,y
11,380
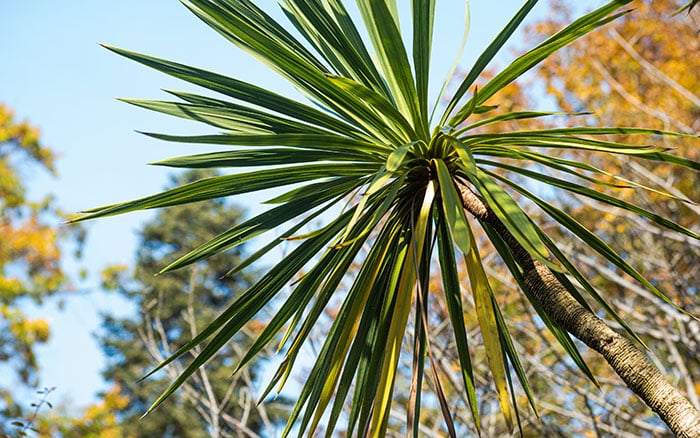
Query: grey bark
x,y
628,361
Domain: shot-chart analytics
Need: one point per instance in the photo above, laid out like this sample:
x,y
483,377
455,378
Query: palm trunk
x,y
628,361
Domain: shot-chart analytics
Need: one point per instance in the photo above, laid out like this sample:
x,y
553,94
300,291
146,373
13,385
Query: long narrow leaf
x,y
465,35
242,90
258,157
563,142
486,56
305,141
514,115
513,356
453,297
595,242
559,333
423,13
481,291
575,30
221,186
386,37
513,218
453,208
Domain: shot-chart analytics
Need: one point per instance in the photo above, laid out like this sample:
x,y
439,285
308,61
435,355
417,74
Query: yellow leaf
x,y
481,291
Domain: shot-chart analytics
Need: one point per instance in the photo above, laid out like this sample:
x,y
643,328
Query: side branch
x,y
628,361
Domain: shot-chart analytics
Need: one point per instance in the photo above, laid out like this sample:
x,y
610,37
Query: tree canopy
x,y
172,308
421,190
29,259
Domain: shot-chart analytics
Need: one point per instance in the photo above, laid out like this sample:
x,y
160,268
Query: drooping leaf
x,y
513,218
453,208
593,241
453,296
559,333
407,280
485,312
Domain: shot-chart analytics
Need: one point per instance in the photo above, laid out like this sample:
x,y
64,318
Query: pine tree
x,y
171,309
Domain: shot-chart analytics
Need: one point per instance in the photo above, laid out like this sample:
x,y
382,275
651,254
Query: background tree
x,y
96,420
173,308
29,261
636,73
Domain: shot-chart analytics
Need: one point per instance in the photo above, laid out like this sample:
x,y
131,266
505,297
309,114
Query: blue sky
x,y
55,74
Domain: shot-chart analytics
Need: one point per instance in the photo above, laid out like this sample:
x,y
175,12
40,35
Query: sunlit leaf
x,y
452,206
481,291
453,296
370,189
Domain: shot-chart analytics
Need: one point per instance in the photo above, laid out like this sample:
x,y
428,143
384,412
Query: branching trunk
x,y
628,361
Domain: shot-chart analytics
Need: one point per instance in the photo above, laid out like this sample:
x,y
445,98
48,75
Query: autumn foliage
x,y
29,254
641,70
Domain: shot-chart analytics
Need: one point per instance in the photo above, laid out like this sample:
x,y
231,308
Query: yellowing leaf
x,y
481,291
400,317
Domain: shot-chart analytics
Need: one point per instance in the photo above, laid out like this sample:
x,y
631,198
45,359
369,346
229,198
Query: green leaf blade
x,y
453,208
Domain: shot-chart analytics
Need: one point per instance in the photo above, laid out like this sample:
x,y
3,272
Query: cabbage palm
x,y
418,186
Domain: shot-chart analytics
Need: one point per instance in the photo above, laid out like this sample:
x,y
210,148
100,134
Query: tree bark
x,y
628,361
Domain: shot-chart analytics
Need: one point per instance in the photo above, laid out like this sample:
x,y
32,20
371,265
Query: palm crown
x,y
370,140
